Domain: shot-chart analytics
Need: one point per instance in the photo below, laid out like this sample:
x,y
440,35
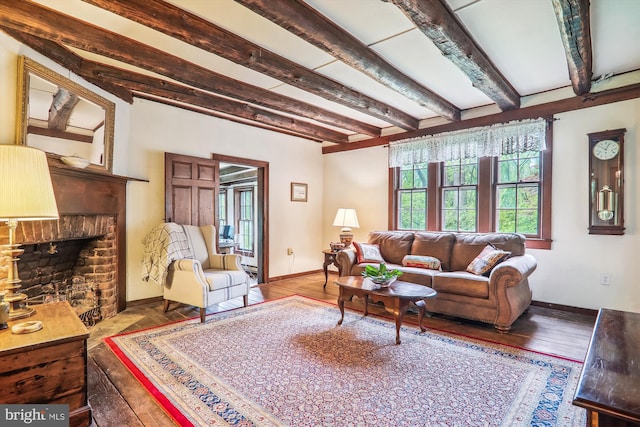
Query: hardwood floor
x,y
118,399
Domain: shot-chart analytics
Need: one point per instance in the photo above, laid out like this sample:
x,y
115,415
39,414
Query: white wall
x,y
356,179
569,273
156,128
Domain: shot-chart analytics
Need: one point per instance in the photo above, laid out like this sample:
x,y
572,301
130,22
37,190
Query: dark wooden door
x,y
191,189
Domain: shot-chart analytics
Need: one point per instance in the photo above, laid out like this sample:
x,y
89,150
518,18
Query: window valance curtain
x,y
491,141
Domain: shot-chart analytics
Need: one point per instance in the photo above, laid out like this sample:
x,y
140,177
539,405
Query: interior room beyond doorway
x,y
238,213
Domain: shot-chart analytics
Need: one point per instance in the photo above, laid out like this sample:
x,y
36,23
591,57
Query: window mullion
x,y
434,196
486,189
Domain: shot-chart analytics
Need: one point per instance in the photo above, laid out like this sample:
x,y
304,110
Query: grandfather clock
x,y
606,182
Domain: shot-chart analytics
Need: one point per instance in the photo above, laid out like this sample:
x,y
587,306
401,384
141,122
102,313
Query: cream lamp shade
x,y
346,218
26,194
26,191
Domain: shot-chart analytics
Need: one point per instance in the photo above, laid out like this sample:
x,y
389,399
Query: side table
x,y
47,366
608,387
329,258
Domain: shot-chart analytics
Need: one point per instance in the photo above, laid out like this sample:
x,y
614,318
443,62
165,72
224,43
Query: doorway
x,y
243,190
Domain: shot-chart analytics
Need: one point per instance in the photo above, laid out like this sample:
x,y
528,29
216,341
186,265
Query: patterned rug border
x,y
175,412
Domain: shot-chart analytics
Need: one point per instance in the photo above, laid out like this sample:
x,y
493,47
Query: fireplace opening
x,y
72,259
57,271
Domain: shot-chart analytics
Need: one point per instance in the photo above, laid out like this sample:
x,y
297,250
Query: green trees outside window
x,y
518,193
412,197
460,195
502,194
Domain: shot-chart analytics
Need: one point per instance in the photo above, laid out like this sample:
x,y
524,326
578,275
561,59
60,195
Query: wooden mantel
x,y
94,191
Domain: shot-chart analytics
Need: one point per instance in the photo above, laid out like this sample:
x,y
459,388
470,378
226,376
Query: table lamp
x,y
346,218
26,194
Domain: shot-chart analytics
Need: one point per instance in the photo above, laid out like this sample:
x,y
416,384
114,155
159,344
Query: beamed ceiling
x,y
348,73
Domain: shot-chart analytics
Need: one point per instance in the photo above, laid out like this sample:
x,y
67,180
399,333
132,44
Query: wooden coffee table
x,y
396,298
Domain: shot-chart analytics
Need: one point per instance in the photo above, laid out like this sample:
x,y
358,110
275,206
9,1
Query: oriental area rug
x,y
287,363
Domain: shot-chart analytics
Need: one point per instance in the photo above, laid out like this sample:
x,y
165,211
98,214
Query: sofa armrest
x,y
346,259
186,282
186,264
190,266
509,284
514,270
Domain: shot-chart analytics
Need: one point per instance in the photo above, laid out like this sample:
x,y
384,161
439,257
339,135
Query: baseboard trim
x,y
569,308
291,276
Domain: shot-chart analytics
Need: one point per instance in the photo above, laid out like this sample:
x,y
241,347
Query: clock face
x,y
606,149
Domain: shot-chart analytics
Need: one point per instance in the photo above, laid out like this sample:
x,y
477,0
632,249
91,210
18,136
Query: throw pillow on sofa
x,y
487,260
421,261
366,252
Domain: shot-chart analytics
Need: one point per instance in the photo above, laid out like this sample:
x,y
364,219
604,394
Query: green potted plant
x,y
381,275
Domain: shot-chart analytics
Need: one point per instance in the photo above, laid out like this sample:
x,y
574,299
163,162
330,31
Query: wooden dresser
x,y
609,386
47,366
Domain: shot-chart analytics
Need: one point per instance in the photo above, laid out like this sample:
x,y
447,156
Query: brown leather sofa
x,y
498,299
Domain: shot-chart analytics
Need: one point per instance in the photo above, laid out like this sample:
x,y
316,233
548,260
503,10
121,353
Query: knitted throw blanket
x,y
164,244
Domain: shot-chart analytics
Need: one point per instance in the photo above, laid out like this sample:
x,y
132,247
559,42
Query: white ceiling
x,y
521,37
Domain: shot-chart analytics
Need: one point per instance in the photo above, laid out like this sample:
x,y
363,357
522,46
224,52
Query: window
x,y
504,193
518,193
245,221
459,195
222,207
412,197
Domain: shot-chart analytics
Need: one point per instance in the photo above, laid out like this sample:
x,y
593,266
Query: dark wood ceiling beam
x,y
116,79
56,133
150,85
308,24
575,31
62,105
49,24
239,177
192,29
533,112
439,24
65,57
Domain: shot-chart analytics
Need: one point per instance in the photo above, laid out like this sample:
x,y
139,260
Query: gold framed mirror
x,y
62,117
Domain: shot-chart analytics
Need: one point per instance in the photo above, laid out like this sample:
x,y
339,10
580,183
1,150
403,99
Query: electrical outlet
x,y
605,279
289,251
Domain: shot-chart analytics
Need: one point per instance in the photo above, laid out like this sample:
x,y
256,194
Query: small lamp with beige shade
x,y
26,194
346,218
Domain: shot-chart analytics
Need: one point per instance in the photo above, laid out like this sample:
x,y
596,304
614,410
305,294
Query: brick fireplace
x,y
82,254
59,256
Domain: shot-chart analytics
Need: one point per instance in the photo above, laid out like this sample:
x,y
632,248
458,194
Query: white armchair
x,y
208,278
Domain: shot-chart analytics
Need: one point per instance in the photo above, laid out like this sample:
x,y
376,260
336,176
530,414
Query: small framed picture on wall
x,y
298,192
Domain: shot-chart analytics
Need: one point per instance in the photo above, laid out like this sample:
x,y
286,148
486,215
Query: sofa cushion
x,y
220,279
434,244
394,245
366,252
468,245
461,283
487,260
421,261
